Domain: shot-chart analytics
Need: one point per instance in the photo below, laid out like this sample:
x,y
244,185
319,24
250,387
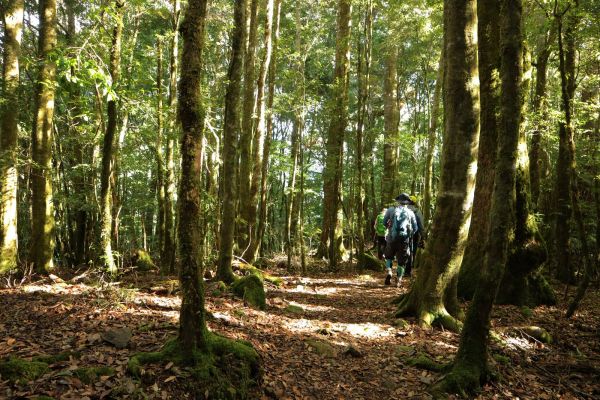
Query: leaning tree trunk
x,y
258,149
470,367
443,254
564,266
489,63
168,250
390,117
106,254
12,17
230,142
431,139
42,209
523,282
331,233
193,333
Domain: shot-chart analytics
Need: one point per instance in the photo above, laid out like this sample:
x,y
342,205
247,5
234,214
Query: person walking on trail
x,y
417,237
380,232
402,224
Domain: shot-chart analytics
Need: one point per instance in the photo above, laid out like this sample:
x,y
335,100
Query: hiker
x,y
380,232
417,237
402,224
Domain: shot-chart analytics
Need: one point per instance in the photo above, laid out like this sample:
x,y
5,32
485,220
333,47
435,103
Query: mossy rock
x,y
89,375
537,333
251,289
252,270
143,261
227,369
18,370
369,262
321,348
293,309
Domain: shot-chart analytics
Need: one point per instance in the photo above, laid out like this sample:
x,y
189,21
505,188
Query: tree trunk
x,y
565,271
230,143
247,133
193,333
42,209
9,110
523,284
160,171
470,365
168,251
258,148
489,64
106,255
431,139
389,184
331,236
443,254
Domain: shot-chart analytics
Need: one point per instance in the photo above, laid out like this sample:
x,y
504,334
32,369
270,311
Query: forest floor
x,y
327,336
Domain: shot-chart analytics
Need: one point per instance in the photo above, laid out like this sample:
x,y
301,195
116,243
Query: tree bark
x,y
12,16
331,236
443,254
389,184
470,365
193,333
489,65
106,254
160,170
42,209
230,144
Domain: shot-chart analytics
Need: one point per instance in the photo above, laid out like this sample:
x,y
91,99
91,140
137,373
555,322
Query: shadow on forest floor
x,y
303,337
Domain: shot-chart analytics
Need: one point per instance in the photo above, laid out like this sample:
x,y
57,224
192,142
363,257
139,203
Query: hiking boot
x,y
388,279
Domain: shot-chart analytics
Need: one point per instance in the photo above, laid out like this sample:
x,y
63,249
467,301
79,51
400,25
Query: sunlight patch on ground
x,y
518,343
310,307
367,330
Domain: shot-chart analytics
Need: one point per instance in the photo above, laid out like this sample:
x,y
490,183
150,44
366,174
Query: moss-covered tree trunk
x,y
539,108
448,234
489,80
431,139
389,179
42,209
262,216
230,144
258,148
105,239
565,270
248,124
331,233
12,17
193,334
168,251
470,368
159,153
523,282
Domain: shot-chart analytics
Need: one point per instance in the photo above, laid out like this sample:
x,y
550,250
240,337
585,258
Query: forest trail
x,y
329,336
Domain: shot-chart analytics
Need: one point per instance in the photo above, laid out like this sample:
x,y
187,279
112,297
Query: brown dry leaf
x,y
169,379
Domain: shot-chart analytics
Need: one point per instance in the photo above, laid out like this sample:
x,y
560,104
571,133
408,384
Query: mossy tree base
x,y
464,380
427,315
228,369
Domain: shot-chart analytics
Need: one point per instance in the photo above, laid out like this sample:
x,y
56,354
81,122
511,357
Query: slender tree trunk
x,y
106,254
258,148
247,132
565,163
230,143
12,16
42,209
443,255
331,236
389,184
193,333
431,139
160,170
489,78
262,217
470,367
168,251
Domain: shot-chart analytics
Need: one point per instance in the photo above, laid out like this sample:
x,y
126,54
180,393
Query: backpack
x,y
401,226
380,228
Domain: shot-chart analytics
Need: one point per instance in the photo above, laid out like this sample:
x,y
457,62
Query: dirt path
x,y
325,337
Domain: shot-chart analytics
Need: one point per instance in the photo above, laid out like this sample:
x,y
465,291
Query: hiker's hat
x,y
403,198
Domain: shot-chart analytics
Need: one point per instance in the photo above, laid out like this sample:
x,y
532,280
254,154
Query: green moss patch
x,y
92,374
252,270
320,347
251,289
423,361
228,369
53,359
292,309
143,261
18,370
